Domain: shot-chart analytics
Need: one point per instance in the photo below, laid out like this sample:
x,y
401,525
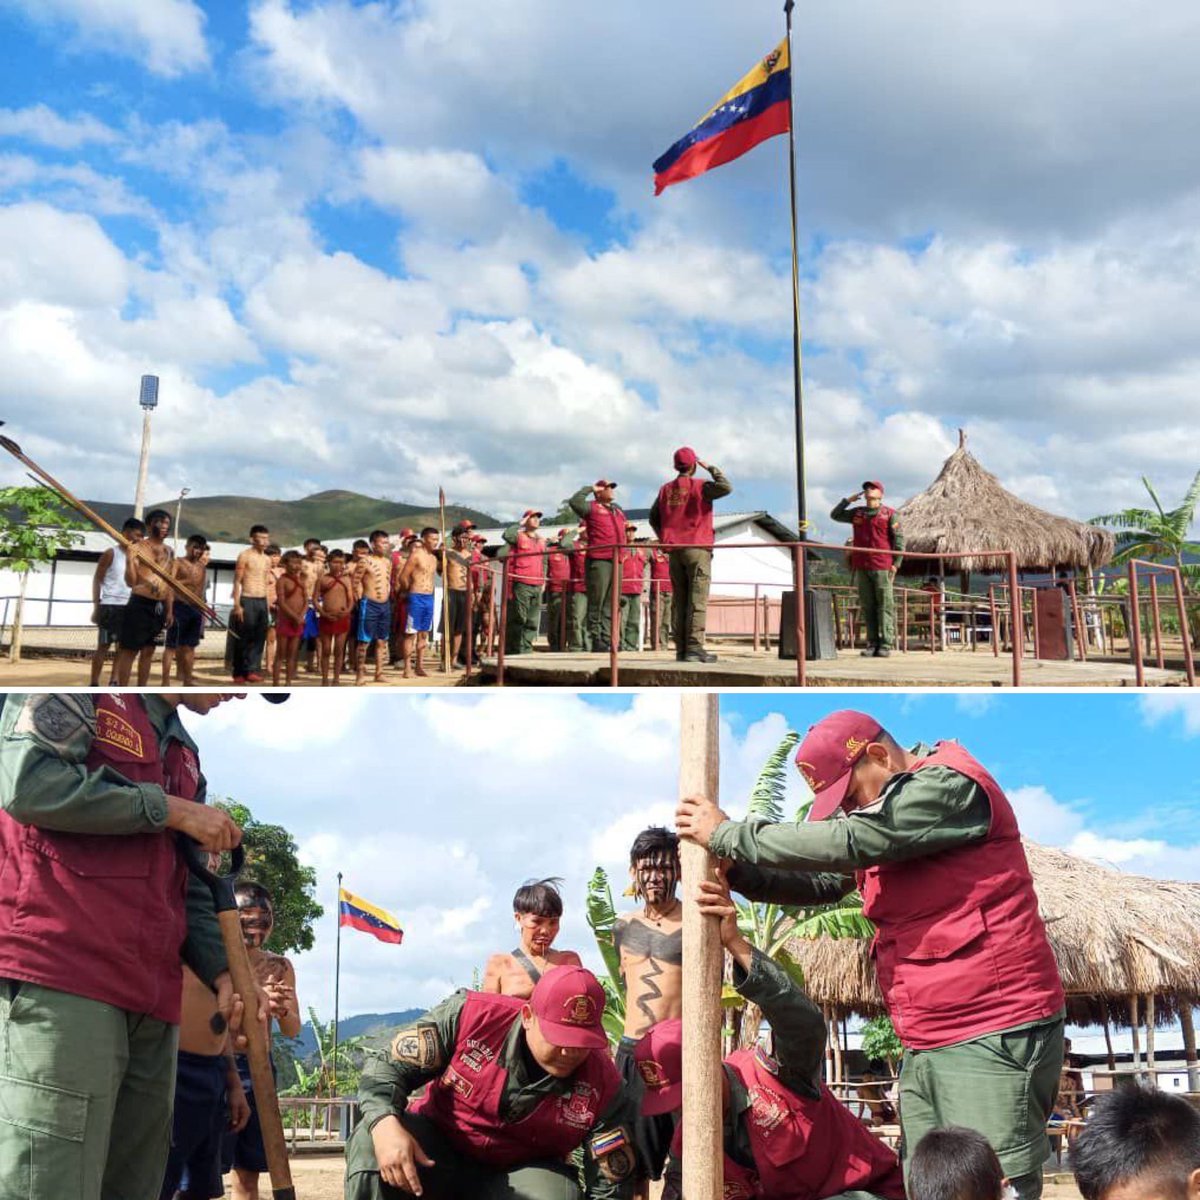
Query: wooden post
x,y
1150,1033
1133,1030
1112,1058
703,962
1189,1046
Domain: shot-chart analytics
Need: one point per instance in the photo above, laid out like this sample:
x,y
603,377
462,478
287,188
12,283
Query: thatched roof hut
x,y
966,509
1114,936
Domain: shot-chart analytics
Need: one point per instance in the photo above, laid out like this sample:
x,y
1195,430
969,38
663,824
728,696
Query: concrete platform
x,y
739,666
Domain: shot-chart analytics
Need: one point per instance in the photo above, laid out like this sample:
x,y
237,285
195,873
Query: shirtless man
x,y
251,582
276,556
401,545
373,584
650,943
187,627
244,1151
289,623
537,910
417,579
335,603
110,595
454,589
149,609
315,558
209,1099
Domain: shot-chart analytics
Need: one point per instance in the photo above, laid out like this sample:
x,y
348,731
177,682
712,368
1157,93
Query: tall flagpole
x,y
337,978
801,506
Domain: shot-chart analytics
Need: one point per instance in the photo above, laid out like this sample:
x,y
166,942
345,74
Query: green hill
x,y
326,515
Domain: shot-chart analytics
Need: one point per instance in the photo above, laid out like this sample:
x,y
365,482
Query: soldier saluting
x,y
876,535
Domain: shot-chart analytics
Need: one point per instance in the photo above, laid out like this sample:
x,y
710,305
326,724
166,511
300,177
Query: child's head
x,y
954,1164
274,554
360,548
292,562
537,907
1139,1144
255,907
337,562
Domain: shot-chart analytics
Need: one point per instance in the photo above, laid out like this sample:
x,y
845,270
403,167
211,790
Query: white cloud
x,y
975,704
39,123
1043,818
1159,706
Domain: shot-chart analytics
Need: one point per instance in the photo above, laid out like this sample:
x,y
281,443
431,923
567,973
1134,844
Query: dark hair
x,y
336,554
540,897
359,542
258,529
1137,1132
273,549
255,894
156,514
428,529
293,556
197,540
311,542
657,839
954,1164
133,525
380,533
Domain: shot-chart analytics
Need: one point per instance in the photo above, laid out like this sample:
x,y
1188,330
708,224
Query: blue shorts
x,y
245,1149
200,1122
420,612
374,620
187,627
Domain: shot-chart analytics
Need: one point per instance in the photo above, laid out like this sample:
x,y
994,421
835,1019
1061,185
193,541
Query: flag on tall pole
x,y
757,107
362,915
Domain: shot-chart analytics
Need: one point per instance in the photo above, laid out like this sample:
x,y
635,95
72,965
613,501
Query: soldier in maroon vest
x,y
514,1088
558,581
577,629
660,595
97,910
682,516
873,564
633,583
605,526
526,576
786,1135
961,953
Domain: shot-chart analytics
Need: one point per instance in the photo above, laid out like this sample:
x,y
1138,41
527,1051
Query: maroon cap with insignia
x,y
569,1005
603,483
531,512
873,483
685,458
659,1058
828,754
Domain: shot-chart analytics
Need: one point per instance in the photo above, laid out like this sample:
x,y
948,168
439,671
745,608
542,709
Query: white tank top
x,y
113,588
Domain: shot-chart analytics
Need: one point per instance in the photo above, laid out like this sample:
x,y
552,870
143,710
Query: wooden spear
x,y
703,961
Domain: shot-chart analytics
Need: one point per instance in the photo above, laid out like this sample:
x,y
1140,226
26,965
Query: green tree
x,y
315,1076
1159,535
34,527
271,860
879,1042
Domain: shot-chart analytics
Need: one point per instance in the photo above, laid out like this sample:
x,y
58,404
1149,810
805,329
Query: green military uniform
x,y
631,615
691,575
1003,1083
87,1089
875,591
599,582
666,624
558,635
577,627
419,1054
799,1033
524,608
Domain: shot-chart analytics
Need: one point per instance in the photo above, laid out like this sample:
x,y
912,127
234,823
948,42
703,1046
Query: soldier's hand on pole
x,y
399,1154
212,828
697,818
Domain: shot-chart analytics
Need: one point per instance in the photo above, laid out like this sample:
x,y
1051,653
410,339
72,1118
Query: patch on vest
x,y
614,1155
739,1191
765,1061
55,720
578,1109
112,730
418,1046
767,1110
456,1083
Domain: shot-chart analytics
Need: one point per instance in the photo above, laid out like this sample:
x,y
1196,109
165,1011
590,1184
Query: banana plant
x,y
602,919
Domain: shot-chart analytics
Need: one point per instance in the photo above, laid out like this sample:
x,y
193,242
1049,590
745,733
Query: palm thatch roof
x,y
1112,934
966,509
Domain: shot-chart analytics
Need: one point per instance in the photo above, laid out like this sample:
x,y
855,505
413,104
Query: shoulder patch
x,y
419,1046
56,719
614,1154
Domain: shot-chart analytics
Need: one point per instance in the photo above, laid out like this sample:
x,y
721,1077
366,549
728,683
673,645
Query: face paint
x,y
656,876
257,922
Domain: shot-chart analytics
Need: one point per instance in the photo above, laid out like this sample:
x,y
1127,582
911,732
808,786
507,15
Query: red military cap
x,y
873,483
659,1058
407,533
604,483
569,1005
827,756
531,512
685,457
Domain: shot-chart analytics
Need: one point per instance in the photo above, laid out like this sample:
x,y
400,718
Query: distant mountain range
x,y
376,1027
326,515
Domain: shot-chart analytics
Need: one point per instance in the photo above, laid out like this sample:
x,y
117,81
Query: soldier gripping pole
x,y
703,962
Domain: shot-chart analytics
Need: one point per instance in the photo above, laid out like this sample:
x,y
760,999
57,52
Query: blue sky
x,y
397,246
438,807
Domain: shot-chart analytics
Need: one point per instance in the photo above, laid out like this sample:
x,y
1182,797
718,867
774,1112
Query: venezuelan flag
x,y
757,107
359,914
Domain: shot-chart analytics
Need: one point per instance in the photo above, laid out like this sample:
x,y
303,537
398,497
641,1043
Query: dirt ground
x,y
319,1177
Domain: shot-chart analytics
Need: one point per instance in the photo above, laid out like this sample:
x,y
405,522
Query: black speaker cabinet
x,y
819,634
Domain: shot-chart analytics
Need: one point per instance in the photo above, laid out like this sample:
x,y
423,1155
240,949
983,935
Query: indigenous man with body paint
x,y
526,578
604,524
514,1088
971,984
682,516
650,945
417,579
110,594
186,630
454,589
97,909
373,586
874,562
250,616
244,1151
151,601
785,1135
537,910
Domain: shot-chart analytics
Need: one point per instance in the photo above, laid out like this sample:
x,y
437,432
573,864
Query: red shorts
x,y
335,626
285,627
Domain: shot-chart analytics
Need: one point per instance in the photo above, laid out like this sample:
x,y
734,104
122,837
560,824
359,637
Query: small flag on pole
x,y
757,107
370,918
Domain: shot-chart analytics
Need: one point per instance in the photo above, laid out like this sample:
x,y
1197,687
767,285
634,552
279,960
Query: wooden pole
x,y
1189,1046
1133,1030
1112,1058
703,960
1150,1032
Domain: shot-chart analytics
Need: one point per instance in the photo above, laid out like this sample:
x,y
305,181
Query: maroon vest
x,y
558,570
102,915
578,571
871,534
804,1149
685,517
960,949
633,571
464,1101
605,529
660,572
528,559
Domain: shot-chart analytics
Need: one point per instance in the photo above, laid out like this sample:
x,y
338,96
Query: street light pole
x,y
178,511
148,399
